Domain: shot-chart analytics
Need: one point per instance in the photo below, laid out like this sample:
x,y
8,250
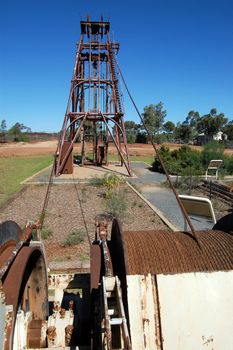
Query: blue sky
x,y
179,52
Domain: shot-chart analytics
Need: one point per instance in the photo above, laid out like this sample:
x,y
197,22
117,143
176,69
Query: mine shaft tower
x,y
95,109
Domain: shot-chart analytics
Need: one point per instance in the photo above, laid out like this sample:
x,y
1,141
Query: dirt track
x,y
49,147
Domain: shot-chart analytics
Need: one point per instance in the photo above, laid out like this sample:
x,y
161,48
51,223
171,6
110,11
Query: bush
x,y
212,150
75,237
111,181
96,181
228,165
116,204
131,137
166,156
187,162
141,137
25,138
178,160
46,233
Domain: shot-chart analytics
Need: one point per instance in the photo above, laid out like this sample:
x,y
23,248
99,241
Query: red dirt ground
x,y
49,147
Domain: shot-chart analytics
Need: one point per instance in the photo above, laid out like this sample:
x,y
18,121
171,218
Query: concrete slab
x,y
80,174
89,171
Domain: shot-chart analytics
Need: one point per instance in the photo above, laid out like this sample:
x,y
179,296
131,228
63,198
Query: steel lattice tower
x,y
95,102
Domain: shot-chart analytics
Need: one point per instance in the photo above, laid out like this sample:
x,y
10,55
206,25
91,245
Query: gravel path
x,y
64,215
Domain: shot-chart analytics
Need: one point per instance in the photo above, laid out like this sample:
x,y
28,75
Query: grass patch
x,y
147,159
14,170
115,158
75,237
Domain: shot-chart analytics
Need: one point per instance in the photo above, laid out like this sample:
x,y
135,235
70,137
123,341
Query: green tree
x,y
192,118
3,131
131,131
18,132
169,126
210,124
184,132
153,117
228,130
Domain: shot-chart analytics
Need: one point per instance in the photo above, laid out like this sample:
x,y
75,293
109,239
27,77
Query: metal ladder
x,y
115,79
116,330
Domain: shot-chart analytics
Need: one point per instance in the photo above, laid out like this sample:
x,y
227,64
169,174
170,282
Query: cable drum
x,y
162,252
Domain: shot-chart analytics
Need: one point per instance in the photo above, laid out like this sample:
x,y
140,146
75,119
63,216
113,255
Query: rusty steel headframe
x,y
95,103
161,252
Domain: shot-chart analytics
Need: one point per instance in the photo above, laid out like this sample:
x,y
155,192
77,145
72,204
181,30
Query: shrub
x,y
166,156
228,165
141,137
116,204
191,164
25,138
96,181
111,181
46,233
75,237
131,137
190,179
212,150
177,160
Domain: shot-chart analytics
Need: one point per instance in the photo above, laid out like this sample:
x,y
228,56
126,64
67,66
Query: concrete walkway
x,y
151,185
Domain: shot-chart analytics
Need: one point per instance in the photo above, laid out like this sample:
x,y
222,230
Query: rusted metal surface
x,y
167,253
95,266
9,322
101,232
13,239
107,259
36,334
161,252
25,285
144,313
68,167
95,98
60,326
218,191
107,329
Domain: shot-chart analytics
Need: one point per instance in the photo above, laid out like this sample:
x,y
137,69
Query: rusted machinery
x,y
95,110
176,290
24,292
147,290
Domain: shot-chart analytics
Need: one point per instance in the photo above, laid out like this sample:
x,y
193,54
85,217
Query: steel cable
x,y
82,211
158,156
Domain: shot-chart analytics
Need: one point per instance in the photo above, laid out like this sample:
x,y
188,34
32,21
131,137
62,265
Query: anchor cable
x,y
158,156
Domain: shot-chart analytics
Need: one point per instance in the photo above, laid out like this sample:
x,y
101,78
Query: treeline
x,y
187,131
21,133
